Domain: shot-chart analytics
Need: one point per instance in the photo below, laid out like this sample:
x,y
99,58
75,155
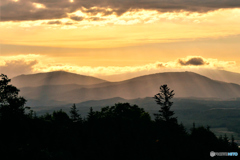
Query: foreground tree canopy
x,y
121,131
11,105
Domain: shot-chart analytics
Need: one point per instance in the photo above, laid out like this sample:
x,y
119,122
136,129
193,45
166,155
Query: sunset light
x,y
103,36
119,79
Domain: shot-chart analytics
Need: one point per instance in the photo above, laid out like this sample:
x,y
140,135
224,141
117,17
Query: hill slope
x,y
184,84
220,75
54,78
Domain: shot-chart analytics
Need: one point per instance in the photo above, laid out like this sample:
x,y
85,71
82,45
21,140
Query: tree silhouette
x,y
74,114
233,144
11,105
163,99
60,116
91,115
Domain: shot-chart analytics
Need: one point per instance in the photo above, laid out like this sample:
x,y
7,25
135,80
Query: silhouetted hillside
x,y
185,84
54,78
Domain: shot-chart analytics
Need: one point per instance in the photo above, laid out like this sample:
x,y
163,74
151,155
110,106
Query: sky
x,y
118,39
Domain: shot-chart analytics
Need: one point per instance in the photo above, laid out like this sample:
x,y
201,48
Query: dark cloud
x,y
195,61
96,19
26,10
95,11
54,22
17,67
77,18
160,65
69,23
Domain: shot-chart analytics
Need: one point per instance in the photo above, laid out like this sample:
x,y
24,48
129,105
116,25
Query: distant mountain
x,y
54,78
220,75
184,84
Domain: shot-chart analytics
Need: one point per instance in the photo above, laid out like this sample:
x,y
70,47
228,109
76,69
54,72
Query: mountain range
x,y
60,87
204,97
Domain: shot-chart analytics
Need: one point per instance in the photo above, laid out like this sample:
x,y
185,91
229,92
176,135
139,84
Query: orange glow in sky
x,y
101,40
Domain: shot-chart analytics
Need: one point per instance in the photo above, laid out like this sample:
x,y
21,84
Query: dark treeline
x,y
122,131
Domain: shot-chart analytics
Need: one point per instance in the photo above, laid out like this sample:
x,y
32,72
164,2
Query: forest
x,y
121,131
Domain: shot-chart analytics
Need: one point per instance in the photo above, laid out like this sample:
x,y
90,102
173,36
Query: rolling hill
x,y
54,78
184,84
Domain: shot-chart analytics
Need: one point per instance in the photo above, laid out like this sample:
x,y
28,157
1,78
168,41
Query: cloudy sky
x,y
123,38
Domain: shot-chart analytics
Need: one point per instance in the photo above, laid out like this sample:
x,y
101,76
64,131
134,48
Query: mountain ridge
x,y
184,84
56,77
221,75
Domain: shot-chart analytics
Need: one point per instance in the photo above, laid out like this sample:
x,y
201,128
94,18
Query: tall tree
x,y
91,115
74,114
11,105
163,99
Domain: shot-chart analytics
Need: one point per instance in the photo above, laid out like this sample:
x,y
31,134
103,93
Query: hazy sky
x,y
118,37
